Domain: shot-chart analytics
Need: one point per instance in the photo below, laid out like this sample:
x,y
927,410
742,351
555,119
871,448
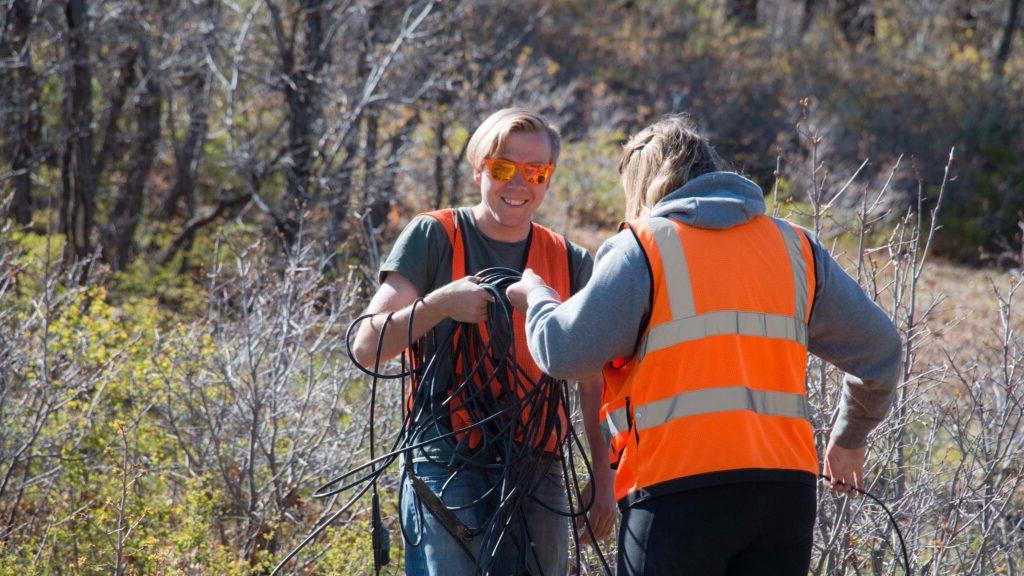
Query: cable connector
x,y
381,537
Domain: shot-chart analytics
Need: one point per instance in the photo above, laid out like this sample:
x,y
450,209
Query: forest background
x,y
196,195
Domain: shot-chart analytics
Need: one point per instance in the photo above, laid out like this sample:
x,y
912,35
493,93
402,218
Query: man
x,y
513,155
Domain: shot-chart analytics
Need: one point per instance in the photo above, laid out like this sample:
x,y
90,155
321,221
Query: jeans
x,y
535,542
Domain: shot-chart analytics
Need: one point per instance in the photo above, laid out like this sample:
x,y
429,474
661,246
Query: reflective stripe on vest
x,y
721,323
794,248
616,423
673,263
717,382
712,400
708,401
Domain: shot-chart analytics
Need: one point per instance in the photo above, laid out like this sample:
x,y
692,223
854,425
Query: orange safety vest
x,y
548,256
715,391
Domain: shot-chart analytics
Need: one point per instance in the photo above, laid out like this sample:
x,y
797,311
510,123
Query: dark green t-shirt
x,y
422,254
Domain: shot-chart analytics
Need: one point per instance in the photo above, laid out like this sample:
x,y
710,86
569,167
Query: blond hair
x,y
661,158
490,138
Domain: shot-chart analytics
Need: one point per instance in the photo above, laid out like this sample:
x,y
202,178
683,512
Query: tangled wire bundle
x,y
507,420
509,417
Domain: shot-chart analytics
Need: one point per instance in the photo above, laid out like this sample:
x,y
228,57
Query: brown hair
x,y
661,158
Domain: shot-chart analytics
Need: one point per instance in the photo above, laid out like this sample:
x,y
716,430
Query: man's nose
x,y
518,179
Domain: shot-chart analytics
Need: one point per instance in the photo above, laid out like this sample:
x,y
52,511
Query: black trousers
x,y
752,528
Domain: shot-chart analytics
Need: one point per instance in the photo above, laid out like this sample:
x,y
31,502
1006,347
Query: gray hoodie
x,y
602,322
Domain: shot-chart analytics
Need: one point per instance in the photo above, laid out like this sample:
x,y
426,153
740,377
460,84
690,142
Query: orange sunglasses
x,y
504,170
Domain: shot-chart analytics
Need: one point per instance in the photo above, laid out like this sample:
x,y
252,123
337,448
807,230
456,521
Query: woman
x,y
701,311
513,155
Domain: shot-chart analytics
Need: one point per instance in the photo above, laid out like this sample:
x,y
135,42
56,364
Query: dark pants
x,y
731,529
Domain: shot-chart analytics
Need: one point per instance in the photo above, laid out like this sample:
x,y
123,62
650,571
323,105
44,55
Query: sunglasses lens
x,y
537,173
501,170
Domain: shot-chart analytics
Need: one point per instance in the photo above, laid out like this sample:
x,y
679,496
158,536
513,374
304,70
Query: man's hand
x,y
518,292
602,513
463,300
846,466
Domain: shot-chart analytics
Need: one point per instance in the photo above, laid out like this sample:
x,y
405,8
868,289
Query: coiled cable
x,y
509,419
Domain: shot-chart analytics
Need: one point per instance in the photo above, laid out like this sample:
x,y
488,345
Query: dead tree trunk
x,y
440,143
124,220
856,20
78,176
301,86
188,152
743,12
21,130
446,187
341,191
807,16
193,79
1006,43
376,202
112,147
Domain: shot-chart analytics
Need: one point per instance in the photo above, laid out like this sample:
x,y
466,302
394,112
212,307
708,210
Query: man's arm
x,y
463,301
600,490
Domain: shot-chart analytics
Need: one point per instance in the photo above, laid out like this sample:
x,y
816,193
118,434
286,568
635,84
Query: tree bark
x,y
188,154
807,16
375,200
743,12
124,220
856,20
22,127
454,181
112,146
78,177
302,93
440,137
1006,44
396,144
342,182
316,54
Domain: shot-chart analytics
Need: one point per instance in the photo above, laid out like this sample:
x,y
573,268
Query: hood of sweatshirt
x,y
718,200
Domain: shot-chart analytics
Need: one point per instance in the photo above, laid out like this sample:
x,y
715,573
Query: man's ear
x,y
477,176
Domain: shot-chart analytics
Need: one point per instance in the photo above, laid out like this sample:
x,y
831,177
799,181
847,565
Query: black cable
x,y
892,518
508,413
380,538
509,420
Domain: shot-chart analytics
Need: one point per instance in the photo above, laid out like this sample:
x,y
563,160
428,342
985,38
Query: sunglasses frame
x,y
546,169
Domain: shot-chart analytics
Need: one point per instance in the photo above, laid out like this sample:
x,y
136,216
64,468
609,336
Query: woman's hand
x,y
518,292
845,467
463,300
602,511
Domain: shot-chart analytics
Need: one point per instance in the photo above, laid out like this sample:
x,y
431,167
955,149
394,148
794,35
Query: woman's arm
x,y
850,331
575,338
